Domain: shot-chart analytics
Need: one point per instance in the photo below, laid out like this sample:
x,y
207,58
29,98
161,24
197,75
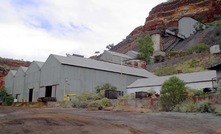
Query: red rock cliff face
x,y
167,15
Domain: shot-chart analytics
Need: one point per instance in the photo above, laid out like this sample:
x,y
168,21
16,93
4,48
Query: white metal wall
x,y
197,86
9,82
19,82
32,81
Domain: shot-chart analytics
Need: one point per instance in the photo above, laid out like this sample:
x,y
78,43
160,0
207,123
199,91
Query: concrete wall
x,y
9,82
32,81
19,82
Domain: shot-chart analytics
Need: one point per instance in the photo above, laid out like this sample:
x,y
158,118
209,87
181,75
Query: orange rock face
x,y
167,14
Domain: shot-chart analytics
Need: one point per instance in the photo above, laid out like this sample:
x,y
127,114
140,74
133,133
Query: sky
x,y
34,29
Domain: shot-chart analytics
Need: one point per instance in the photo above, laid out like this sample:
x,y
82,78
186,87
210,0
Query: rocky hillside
x,y
166,15
7,64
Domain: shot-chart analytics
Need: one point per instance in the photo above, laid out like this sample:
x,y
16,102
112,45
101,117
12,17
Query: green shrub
x,y
7,99
84,99
218,111
187,106
125,97
105,102
165,70
95,104
205,106
199,48
105,86
172,93
198,92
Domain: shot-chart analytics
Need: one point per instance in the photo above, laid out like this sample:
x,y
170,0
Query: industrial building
x,y
61,75
197,80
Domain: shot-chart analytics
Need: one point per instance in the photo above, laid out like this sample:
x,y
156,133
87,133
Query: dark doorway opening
x,y
48,91
30,95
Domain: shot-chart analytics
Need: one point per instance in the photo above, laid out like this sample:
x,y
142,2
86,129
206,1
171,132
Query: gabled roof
x,y
187,78
13,72
39,63
24,68
118,54
101,65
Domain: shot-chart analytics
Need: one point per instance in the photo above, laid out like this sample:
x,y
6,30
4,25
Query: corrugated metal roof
x,y
39,63
187,78
119,54
101,65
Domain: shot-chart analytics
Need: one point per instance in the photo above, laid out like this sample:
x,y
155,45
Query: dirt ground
x,y
14,120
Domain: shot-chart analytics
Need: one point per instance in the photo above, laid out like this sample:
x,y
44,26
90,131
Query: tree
x,y
172,93
105,86
145,46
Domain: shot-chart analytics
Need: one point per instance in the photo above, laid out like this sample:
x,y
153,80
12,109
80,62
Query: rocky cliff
x,y
166,15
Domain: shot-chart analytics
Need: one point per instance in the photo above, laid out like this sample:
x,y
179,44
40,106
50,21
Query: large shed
x,y
19,83
32,81
9,81
198,80
61,75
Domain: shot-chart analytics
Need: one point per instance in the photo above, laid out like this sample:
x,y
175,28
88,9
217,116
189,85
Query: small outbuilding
x,y
197,80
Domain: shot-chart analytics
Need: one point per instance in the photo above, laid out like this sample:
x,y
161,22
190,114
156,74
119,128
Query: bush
x,y
105,102
95,104
7,99
106,86
187,106
199,48
205,106
172,93
218,111
84,99
198,92
165,70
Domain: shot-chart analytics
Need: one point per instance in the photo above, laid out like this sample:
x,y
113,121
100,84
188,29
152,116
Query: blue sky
x,y
33,29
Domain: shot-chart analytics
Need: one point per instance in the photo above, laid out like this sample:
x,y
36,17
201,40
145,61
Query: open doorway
x,y
48,91
30,95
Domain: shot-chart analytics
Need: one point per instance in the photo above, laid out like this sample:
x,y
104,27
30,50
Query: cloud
x,y
33,29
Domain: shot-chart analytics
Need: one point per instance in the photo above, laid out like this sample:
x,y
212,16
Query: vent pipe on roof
x,y
74,55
